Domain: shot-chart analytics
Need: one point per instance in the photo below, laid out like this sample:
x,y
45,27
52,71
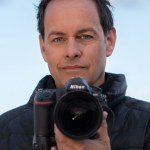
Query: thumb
x,y
103,137
102,131
53,148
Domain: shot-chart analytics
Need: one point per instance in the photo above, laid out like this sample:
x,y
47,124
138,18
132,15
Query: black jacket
x,y
131,129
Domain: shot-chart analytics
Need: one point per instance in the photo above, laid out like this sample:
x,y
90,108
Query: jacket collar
x,y
114,88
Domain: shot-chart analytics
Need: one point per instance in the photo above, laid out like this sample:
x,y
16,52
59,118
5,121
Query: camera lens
x,y
78,114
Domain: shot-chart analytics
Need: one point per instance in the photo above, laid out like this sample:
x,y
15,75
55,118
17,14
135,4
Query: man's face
x,y
74,44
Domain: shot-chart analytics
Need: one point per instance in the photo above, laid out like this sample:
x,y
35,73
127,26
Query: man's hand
x,y
101,143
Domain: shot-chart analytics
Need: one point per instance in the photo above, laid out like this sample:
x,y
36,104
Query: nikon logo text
x,y
77,87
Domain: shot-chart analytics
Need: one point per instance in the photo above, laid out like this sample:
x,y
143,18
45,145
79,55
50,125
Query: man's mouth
x,y
73,68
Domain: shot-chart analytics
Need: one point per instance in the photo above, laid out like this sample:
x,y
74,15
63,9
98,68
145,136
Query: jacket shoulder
x,y
12,120
16,128
131,127
136,104
10,115
17,115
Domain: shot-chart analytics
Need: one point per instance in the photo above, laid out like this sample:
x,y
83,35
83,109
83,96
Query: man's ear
x,y
42,47
111,40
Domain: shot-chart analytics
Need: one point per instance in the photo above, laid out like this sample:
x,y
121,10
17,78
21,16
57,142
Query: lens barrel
x,y
78,114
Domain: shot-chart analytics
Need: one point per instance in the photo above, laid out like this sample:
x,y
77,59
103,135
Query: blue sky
x,y
21,64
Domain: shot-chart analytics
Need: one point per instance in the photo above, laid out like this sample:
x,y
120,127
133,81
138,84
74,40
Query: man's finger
x,y
53,148
102,131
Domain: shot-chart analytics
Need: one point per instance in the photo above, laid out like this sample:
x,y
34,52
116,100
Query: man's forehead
x,y
67,1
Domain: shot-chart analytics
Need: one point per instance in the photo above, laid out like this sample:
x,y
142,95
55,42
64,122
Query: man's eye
x,y
58,39
86,37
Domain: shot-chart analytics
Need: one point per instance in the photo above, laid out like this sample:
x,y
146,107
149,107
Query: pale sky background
x,y
21,64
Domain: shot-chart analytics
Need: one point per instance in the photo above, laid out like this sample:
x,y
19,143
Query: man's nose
x,y
73,49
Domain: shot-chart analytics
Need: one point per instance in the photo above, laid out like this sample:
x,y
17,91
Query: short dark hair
x,y
105,15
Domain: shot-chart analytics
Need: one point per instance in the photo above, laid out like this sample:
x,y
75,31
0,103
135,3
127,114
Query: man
x,y
76,37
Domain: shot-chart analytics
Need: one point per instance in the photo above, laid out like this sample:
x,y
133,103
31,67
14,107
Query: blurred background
x,y
21,64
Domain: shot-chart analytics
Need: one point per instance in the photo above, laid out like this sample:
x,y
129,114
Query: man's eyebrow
x,y
59,33
55,33
87,30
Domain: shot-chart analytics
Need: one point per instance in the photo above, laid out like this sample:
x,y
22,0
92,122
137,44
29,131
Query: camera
x,y
76,109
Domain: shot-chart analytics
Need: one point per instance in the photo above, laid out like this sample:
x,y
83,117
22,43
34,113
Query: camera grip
x,y
43,137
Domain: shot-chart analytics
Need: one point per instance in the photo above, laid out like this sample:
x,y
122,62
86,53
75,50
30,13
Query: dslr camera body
x,y
76,109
